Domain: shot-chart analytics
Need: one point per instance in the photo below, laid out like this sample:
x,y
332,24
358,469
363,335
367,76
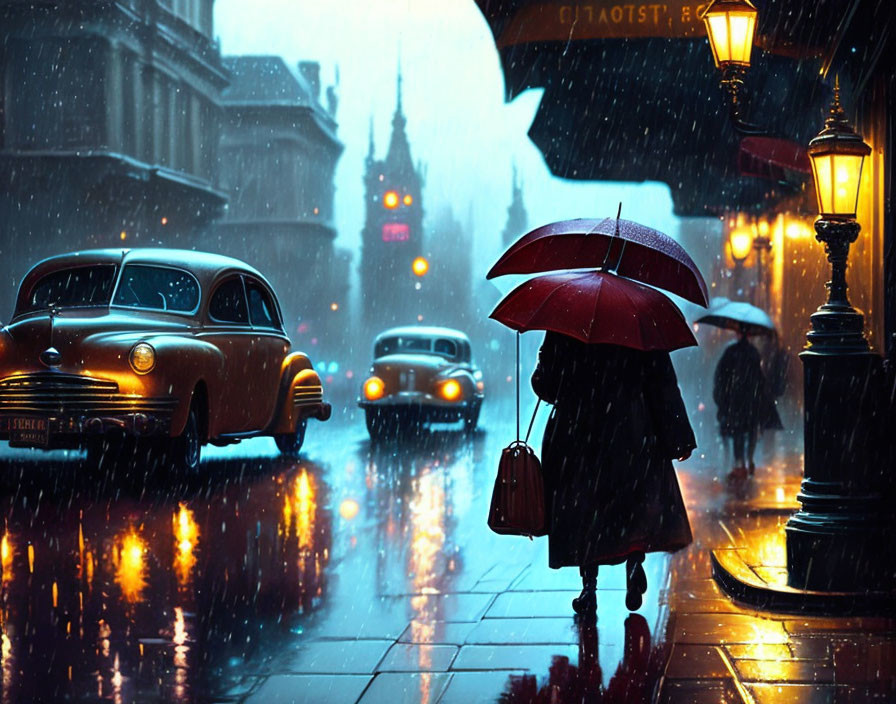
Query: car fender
x,y
181,364
300,394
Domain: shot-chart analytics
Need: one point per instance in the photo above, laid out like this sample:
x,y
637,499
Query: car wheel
x,y
184,450
289,444
471,418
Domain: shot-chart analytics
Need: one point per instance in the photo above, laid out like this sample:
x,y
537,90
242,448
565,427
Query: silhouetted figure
x,y
745,403
610,488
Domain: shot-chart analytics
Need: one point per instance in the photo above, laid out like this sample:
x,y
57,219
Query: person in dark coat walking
x,y
745,402
610,488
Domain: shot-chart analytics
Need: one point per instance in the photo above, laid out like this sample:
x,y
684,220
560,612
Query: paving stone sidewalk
x,y
508,632
722,651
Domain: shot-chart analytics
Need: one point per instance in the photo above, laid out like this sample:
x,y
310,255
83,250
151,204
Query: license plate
x,y
29,431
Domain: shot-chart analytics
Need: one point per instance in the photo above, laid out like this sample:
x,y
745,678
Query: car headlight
x,y
450,390
143,358
374,388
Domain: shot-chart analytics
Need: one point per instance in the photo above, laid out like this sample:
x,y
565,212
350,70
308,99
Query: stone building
x,y
278,154
109,125
393,232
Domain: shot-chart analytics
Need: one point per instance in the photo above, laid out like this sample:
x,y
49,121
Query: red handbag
x,y
518,500
517,506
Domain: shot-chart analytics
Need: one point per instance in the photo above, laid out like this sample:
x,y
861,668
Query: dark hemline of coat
x,y
741,392
618,421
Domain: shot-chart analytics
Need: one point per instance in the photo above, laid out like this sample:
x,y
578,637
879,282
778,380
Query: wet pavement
x,y
362,573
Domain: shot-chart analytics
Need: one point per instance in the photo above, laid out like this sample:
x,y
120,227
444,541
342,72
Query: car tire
x,y
471,418
183,452
290,444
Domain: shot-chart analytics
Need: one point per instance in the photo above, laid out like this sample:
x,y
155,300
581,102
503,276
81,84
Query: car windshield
x,y
157,288
73,288
398,344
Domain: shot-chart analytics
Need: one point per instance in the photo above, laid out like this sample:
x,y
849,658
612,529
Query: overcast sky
x,y
458,122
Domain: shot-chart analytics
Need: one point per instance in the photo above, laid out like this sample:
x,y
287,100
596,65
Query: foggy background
x,y
459,127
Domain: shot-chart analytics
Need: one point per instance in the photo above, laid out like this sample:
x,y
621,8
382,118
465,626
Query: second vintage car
x,y
171,348
421,375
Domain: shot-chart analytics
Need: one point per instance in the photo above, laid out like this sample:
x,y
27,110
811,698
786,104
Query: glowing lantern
x,y
740,241
730,25
837,155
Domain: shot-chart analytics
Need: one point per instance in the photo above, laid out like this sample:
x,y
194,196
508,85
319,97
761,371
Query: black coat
x,y
617,423
741,393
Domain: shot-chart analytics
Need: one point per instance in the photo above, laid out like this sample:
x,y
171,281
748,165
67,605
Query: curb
x,y
736,579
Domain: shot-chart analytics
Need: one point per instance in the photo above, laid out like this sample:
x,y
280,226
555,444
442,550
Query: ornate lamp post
x,y
762,245
834,542
730,25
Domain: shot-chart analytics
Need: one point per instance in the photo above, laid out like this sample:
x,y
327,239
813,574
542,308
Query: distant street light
x,y
740,244
762,245
420,266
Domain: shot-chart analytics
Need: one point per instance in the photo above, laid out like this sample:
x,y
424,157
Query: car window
x,y
157,288
261,309
78,286
228,304
445,347
394,345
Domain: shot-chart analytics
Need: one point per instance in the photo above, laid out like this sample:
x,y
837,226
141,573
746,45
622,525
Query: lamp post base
x,y
838,540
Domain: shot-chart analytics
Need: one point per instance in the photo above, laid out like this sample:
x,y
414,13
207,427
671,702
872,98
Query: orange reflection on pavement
x,y
6,554
180,654
130,566
427,513
186,535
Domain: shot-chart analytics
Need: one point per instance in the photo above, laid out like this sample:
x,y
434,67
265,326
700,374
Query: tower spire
x,y
371,149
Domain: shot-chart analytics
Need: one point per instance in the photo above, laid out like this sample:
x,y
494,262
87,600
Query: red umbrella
x,y
632,250
596,306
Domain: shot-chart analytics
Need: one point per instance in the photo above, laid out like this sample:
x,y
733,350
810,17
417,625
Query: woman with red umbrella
x,y
618,419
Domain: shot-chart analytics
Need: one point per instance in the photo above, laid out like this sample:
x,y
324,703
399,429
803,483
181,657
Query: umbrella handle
x,y
517,374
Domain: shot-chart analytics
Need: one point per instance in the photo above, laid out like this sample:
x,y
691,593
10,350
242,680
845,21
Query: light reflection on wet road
x,y
121,591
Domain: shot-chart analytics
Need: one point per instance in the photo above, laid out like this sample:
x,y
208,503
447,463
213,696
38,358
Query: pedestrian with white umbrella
x,y
745,403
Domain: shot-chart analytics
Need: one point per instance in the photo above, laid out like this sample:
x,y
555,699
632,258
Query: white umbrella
x,y
739,315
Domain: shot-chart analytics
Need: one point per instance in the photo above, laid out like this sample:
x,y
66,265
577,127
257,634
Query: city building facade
x,y
115,140
279,151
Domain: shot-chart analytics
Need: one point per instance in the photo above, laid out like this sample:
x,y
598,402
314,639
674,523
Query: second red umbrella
x,y
596,307
628,248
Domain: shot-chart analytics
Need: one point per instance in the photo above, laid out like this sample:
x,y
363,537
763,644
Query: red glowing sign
x,y
396,232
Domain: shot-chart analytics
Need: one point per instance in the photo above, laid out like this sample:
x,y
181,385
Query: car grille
x,y
50,392
307,395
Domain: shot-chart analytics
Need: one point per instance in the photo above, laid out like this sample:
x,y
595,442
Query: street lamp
x,y
740,242
834,541
837,154
762,245
730,25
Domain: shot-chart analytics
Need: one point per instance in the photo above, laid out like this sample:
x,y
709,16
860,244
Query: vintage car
x,y
421,374
167,347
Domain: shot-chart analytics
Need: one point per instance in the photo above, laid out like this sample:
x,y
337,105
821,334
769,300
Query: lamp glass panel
x,y
837,178
741,27
717,26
